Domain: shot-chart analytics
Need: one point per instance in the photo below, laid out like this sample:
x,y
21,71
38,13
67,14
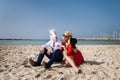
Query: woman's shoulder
x,y
69,46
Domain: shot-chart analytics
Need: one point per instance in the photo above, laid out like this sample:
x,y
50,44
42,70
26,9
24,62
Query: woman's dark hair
x,y
73,42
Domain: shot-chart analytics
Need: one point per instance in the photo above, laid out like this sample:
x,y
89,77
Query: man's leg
x,y
39,59
57,56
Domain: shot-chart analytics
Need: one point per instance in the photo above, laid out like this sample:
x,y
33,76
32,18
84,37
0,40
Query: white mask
x,y
53,35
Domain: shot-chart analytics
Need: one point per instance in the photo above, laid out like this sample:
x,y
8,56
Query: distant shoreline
x,y
92,39
81,41
23,39
105,39
16,39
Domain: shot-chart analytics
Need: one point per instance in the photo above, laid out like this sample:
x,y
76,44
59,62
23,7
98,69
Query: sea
x,y
43,41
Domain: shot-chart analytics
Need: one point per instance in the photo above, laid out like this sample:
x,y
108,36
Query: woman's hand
x,y
63,47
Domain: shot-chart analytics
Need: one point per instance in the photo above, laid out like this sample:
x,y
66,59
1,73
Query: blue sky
x,y
33,18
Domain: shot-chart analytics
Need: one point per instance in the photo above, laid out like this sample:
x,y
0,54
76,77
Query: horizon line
x,y
48,39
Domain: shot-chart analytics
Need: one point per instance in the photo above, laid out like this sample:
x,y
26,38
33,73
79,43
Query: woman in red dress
x,y
73,56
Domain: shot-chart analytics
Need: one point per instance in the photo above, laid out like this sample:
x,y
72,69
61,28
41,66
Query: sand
x,y
102,62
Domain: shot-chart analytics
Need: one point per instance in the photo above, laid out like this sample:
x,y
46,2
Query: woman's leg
x,y
69,61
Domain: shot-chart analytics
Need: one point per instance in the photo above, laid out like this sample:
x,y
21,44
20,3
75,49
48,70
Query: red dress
x,y
77,56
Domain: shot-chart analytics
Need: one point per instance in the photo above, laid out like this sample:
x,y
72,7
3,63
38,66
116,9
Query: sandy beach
x,y
102,62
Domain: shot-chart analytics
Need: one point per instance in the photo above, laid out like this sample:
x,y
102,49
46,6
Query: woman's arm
x,y
69,50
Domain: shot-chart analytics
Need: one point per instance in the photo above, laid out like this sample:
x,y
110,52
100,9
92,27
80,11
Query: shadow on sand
x,y
93,62
62,64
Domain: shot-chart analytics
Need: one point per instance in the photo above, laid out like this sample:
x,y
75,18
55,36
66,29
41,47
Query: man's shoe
x,y
44,64
33,63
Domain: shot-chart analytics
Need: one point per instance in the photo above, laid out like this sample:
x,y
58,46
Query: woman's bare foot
x,y
77,71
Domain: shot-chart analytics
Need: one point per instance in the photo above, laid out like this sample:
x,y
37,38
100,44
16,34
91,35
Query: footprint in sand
x,y
2,70
60,72
37,75
48,77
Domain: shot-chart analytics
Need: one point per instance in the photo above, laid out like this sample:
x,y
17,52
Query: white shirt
x,y
53,44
